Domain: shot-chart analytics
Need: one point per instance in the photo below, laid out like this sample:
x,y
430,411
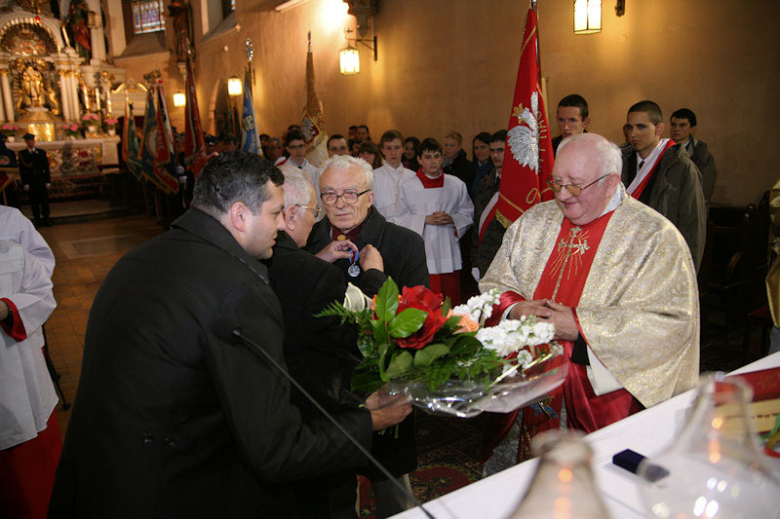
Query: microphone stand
x,y
258,350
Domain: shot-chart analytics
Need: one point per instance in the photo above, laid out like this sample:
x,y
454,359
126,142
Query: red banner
x,y
194,147
164,160
528,155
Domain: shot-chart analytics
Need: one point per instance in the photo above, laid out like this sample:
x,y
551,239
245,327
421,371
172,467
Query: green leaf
x,y
399,365
465,344
367,382
427,355
450,325
367,345
407,322
387,301
446,306
379,329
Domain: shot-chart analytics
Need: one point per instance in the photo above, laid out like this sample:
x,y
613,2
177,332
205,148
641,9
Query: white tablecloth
x,y
647,432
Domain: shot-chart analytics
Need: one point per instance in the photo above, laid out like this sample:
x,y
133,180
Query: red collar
x,y
428,182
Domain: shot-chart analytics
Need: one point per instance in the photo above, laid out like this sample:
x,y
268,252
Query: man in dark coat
x,y
36,179
659,173
174,415
682,125
345,187
320,352
455,161
486,244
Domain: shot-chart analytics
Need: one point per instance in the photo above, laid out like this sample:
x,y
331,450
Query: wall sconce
x,y
349,57
349,61
587,16
179,99
235,87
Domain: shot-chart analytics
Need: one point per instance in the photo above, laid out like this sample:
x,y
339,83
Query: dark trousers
x,y
39,201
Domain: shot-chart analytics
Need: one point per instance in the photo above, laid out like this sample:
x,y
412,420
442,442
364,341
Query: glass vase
x,y
563,486
713,469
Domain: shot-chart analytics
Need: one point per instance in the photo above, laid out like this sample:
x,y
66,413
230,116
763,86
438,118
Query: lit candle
x,y
65,36
97,99
86,98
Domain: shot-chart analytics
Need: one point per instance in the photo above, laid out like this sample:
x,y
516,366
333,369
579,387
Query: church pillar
x,y
97,40
74,95
64,95
8,101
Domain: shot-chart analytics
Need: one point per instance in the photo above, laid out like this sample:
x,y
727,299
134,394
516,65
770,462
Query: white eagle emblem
x,y
524,138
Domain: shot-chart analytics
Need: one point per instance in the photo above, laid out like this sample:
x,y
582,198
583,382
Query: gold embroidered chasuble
x,y
639,309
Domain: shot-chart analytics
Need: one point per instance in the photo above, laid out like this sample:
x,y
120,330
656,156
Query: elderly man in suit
x,y
346,193
320,352
175,415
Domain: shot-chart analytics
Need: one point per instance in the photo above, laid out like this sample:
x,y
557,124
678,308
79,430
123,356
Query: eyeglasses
x,y
349,197
315,210
573,189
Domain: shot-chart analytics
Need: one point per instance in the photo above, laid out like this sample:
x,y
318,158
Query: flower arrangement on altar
x,y
71,130
110,122
90,121
420,345
10,130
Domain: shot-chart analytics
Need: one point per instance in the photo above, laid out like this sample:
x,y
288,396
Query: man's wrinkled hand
x,y
536,308
563,319
387,410
336,250
371,258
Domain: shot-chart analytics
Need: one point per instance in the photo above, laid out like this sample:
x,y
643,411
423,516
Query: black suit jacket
x,y
403,252
173,416
320,352
34,168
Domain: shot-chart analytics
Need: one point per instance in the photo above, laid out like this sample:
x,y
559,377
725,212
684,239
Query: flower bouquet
x,y
71,130
11,131
445,358
110,124
90,122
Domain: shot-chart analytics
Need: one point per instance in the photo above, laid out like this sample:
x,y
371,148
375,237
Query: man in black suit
x,y
320,352
345,187
174,415
36,179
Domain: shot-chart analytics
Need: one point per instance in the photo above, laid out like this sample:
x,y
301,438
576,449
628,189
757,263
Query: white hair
x,y
344,162
608,155
298,191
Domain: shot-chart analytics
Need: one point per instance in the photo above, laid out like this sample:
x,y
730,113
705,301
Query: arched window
x,y
146,16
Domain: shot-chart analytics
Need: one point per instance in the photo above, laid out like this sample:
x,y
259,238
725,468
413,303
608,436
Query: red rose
x,y
423,299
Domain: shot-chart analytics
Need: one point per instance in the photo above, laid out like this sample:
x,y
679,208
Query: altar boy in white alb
x,y
391,177
437,206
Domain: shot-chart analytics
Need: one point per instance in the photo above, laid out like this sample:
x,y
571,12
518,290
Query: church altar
x,y
647,432
77,157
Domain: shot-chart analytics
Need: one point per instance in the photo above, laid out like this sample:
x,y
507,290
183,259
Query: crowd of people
x,y
184,393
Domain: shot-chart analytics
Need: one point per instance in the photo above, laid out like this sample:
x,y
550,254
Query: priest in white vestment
x,y
390,179
437,206
615,278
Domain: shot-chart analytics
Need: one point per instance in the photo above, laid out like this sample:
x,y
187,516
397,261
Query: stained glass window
x,y
148,16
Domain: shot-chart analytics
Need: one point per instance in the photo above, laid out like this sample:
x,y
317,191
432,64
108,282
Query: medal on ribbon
x,y
354,268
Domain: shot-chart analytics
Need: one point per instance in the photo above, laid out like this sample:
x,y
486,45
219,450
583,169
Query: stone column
x,y
64,95
97,40
8,100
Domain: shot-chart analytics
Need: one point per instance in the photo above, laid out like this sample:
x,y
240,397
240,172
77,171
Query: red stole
x,y
352,234
428,182
562,281
641,187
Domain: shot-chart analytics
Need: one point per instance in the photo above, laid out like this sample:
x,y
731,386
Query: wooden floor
x,y
85,252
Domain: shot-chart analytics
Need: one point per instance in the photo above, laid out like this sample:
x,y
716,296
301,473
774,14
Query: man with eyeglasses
x,y
320,353
615,278
346,194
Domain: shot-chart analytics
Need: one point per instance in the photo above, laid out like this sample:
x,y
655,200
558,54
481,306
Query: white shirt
x,y
26,390
16,227
442,250
388,189
648,164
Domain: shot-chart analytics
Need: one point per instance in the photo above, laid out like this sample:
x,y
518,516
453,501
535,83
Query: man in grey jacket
x,y
682,125
659,173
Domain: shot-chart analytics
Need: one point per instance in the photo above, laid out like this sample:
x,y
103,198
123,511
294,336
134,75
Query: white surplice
x,y
26,390
441,241
16,227
388,190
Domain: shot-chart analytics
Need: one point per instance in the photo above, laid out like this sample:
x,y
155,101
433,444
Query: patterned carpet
x,y
448,454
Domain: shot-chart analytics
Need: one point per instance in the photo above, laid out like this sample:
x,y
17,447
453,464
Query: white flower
x,y
512,335
355,300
